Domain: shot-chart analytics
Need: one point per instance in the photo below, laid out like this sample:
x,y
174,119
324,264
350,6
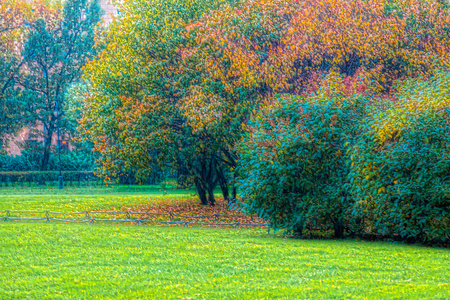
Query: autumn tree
x,y
249,52
275,46
133,111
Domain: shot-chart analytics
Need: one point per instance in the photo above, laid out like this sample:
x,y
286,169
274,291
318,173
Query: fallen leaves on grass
x,y
189,210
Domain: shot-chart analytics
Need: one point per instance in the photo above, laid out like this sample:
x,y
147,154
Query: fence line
x,y
88,217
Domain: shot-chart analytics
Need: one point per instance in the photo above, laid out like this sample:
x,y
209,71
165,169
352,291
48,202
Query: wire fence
x,y
132,217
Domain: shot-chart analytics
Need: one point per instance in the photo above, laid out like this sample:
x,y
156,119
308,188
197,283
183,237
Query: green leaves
x,y
404,177
318,163
293,164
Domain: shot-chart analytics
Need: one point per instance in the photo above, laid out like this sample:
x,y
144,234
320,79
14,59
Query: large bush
x,y
377,168
400,166
292,165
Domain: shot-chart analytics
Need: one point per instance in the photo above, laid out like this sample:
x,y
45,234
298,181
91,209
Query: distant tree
x,y
9,66
72,106
54,53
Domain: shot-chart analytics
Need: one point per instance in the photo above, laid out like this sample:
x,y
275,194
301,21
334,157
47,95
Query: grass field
x,y
109,261
78,199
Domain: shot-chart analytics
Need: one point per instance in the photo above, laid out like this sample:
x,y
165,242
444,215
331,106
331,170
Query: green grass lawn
x,y
80,199
129,262
116,261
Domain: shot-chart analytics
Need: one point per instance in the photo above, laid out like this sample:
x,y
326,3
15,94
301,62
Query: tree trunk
x,y
223,185
211,199
298,229
210,179
338,230
339,223
47,149
201,192
234,191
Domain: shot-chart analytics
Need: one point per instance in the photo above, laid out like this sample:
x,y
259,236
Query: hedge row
x,y
30,160
70,178
46,178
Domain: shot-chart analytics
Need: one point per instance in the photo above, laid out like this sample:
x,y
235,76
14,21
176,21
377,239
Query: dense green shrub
x,y
293,163
377,168
73,161
400,166
13,163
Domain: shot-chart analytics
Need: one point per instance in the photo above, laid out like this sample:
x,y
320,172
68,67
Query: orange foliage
x,y
193,85
279,42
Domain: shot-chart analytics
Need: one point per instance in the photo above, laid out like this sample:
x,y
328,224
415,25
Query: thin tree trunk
x,y
210,180
211,199
234,191
47,149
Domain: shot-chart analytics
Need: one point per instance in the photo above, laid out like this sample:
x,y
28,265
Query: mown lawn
x,y
129,262
115,261
80,199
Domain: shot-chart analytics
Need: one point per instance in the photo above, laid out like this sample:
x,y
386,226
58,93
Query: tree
x,y
134,112
10,108
54,53
247,53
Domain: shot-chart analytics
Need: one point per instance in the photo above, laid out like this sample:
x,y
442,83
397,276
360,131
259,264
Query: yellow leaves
x,y
416,96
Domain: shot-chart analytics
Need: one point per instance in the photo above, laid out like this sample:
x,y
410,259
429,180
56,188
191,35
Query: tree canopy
x,y
134,112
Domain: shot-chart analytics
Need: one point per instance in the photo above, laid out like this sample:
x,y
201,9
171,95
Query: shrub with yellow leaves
x,y
400,165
